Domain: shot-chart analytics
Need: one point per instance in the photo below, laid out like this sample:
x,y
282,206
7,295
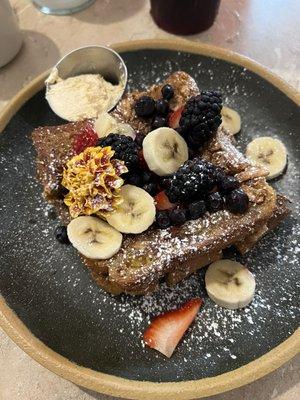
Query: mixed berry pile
x,y
147,107
198,186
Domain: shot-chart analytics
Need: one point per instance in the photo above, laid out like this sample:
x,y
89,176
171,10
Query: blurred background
x,y
267,31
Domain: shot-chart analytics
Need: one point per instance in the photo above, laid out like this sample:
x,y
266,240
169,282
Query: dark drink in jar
x,y
184,17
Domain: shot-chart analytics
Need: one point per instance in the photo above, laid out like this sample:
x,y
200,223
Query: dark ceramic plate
x,y
52,293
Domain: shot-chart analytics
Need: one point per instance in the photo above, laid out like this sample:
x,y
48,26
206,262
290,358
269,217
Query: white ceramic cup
x,y
10,34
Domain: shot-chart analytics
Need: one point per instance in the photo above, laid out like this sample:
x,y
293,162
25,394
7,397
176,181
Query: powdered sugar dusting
x,y
53,293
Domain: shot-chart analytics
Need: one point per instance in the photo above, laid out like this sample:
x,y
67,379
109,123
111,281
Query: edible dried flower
x,y
93,180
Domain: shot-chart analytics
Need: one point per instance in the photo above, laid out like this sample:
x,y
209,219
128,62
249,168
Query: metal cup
x,y
93,60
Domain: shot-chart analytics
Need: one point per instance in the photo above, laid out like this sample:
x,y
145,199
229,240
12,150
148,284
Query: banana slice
x,y
164,151
94,238
125,129
229,284
268,152
136,213
106,124
231,120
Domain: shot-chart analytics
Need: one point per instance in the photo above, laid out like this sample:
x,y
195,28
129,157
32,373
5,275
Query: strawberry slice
x,y
174,118
166,330
163,202
87,137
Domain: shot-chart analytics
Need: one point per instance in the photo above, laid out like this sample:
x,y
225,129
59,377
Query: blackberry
x,y
192,181
237,201
61,234
167,92
200,118
124,146
144,106
163,220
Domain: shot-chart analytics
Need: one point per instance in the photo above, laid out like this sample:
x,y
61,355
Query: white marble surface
x,y
266,30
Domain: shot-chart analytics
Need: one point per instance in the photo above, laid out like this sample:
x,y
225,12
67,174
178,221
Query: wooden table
x,y
266,30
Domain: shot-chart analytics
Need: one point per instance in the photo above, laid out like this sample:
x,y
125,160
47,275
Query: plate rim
x,y
127,388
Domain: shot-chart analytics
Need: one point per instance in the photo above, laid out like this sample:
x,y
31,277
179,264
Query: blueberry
x,y
237,201
146,176
151,188
158,122
227,184
133,178
162,220
61,234
178,216
162,107
197,209
61,191
167,92
144,106
211,182
215,202
51,214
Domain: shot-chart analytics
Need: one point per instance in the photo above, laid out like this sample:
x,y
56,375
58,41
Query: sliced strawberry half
x,y
166,330
163,202
174,118
87,137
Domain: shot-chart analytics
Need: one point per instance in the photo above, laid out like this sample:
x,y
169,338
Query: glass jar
x,y
61,7
184,17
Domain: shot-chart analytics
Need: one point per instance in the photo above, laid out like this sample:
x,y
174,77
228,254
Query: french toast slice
x,y
174,253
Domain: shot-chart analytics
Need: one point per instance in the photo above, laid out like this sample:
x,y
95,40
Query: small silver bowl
x,y
93,60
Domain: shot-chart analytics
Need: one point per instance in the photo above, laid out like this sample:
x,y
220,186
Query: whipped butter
x,y
82,96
